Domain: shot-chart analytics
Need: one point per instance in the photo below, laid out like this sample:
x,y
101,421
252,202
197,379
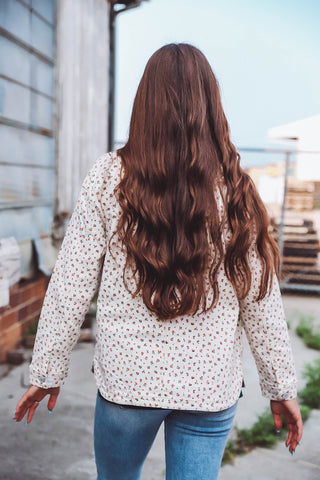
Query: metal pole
x,y
283,208
112,25
127,5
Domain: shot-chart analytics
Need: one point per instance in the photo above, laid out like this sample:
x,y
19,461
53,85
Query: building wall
x,y
27,32
53,126
26,300
82,70
303,136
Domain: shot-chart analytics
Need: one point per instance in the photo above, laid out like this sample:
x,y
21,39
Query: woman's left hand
x,y
290,410
31,400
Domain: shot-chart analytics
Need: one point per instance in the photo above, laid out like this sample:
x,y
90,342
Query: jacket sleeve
x,y
266,329
73,283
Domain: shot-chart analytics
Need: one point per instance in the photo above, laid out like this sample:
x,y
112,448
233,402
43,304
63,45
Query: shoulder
x,y
104,176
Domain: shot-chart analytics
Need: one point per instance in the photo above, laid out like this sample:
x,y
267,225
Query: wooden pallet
x,y
301,247
300,195
305,279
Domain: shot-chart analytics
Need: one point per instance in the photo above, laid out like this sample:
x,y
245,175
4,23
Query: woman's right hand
x,y
31,400
291,412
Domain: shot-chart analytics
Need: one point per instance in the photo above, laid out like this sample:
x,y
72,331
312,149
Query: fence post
x,y
283,208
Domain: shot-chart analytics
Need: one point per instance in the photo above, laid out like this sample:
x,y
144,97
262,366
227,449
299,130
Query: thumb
x,y
52,400
277,420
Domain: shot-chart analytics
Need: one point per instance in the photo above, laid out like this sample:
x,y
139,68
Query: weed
x,y
261,434
310,395
309,333
305,412
32,328
229,452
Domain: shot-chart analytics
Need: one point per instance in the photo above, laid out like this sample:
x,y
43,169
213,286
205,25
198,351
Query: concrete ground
x,y
60,446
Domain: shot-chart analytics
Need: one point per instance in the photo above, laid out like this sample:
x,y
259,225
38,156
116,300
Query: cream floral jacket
x,y
192,362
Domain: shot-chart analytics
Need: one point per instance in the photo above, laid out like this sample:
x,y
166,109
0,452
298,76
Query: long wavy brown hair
x,y
177,155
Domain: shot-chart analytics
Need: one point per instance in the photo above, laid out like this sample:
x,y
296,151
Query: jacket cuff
x,y
280,393
44,380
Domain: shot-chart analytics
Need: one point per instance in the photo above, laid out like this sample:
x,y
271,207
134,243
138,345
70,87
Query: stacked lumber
x,y
300,195
316,195
300,251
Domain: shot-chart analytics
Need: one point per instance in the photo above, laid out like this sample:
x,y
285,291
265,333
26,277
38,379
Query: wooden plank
x,y
306,279
312,238
301,252
303,260
293,222
294,268
294,230
304,246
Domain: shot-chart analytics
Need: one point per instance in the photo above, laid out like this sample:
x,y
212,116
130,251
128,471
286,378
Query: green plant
x,y
229,452
305,412
262,433
32,328
308,332
310,395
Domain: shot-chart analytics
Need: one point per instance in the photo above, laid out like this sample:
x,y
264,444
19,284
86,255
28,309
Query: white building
x,y
304,136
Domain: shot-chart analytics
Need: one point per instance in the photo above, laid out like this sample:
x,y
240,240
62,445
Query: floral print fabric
x,y
192,362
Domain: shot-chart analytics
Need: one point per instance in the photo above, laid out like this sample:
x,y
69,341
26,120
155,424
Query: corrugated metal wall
x,y
82,70
27,30
53,112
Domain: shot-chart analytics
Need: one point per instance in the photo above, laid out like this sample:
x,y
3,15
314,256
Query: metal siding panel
x,y
82,53
41,111
19,65
25,223
25,67
21,185
23,146
45,8
2,91
15,17
41,36
15,101
42,76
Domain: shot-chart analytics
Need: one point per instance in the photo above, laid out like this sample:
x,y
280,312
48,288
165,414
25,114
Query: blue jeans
x,y
194,440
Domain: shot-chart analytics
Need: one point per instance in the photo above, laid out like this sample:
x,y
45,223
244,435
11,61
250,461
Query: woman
x,y
174,235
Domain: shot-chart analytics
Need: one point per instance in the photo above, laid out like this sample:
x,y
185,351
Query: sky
x,y
264,53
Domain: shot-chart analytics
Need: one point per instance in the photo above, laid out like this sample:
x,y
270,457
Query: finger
x,y
22,410
32,409
289,441
52,401
20,413
292,437
277,420
296,435
291,431
299,428
26,402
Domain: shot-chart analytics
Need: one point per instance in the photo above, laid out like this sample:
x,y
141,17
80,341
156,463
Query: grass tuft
x,y
310,395
261,434
309,333
32,328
